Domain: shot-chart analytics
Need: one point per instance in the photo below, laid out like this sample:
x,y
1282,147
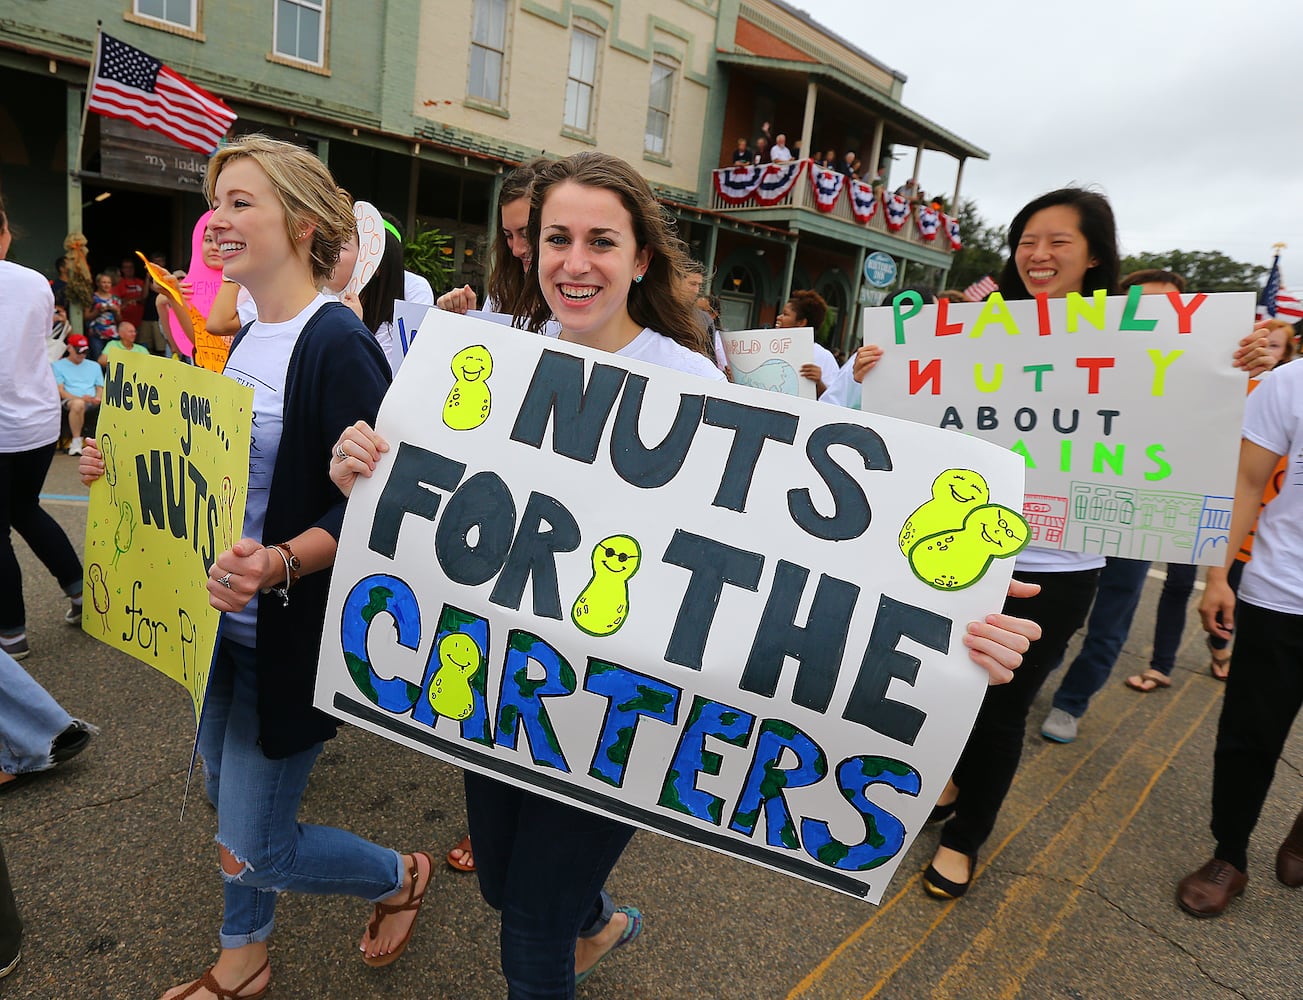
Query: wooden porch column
x,y
807,122
959,178
918,159
875,158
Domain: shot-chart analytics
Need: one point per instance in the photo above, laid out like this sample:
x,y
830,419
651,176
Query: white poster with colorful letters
x,y
729,616
1125,409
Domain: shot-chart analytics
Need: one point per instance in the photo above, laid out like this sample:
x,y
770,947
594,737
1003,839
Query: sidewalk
x,y
1074,898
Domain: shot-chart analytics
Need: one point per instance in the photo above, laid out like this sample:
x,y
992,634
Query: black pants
x,y
1263,694
22,474
11,928
990,759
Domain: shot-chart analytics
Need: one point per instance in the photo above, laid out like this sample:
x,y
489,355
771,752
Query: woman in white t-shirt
x,y
279,221
610,271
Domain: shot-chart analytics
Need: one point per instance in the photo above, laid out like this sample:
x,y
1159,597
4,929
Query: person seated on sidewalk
x,y
1264,690
126,342
36,734
81,387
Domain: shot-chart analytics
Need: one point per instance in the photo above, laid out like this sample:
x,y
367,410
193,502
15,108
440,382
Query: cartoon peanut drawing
x,y
468,403
450,690
954,493
603,605
958,557
110,466
125,529
99,594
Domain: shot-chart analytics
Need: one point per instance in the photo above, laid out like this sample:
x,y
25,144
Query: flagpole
x,y
85,104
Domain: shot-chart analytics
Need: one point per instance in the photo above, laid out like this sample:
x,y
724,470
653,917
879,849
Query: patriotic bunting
x,y
864,204
951,226
737,184
827,187
897,207
777,180
928,221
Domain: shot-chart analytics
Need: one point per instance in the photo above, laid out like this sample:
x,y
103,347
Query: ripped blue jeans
x,y
257,802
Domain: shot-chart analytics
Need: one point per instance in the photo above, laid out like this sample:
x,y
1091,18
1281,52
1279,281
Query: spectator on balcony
x,y
847,164
829,161
761,154
780,153
742,154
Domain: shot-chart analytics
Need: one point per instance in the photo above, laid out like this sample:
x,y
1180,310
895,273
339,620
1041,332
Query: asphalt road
x,y
1074,898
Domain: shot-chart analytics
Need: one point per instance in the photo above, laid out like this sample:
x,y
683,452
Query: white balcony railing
x,y
743,196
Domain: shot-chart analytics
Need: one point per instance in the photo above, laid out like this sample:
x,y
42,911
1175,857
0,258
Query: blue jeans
x,y
30,719
1120,584
257,802
542,863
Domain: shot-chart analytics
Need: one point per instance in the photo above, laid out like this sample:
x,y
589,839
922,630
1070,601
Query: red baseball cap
x,y
78,343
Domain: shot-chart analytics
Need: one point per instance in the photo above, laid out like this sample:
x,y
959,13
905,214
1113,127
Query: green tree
x,y
1203,270
983,251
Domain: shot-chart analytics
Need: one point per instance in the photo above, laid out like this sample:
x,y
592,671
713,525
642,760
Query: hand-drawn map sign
x,y
1126,410
686,604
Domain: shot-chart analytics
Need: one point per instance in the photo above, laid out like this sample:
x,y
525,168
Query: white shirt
x,y
1273,419
261,361
415,289
657,349
780,154
29,399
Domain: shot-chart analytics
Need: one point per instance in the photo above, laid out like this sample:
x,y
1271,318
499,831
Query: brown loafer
x,y
1207,892
1289,859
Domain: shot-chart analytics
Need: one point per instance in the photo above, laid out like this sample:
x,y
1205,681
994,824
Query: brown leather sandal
x,y
207,982
1218,666
382,910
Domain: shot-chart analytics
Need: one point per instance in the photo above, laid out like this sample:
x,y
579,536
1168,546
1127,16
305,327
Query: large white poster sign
x,y
1126,409
772,359
728,616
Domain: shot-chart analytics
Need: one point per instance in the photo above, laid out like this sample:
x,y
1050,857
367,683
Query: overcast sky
x,y
1188,114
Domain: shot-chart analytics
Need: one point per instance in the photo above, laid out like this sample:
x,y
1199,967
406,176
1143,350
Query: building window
x,y
488,46
178,12
301,30
659,102
582,81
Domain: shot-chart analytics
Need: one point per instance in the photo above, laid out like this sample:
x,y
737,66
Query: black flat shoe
x,y
66,746
938,886
69,743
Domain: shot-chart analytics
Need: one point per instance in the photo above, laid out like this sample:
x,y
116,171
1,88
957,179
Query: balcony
x,y
769,193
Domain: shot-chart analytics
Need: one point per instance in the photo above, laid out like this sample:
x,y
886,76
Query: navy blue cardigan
x,y
337,375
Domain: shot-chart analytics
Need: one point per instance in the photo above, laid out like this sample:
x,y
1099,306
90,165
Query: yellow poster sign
x,y
175,441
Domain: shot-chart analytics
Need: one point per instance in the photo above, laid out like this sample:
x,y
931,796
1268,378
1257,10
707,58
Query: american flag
x,y
1288,307
1267,304
979,290
128,83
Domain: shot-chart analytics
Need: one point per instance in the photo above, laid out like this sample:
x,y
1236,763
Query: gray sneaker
x,y
73,615
17,648
1059,726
